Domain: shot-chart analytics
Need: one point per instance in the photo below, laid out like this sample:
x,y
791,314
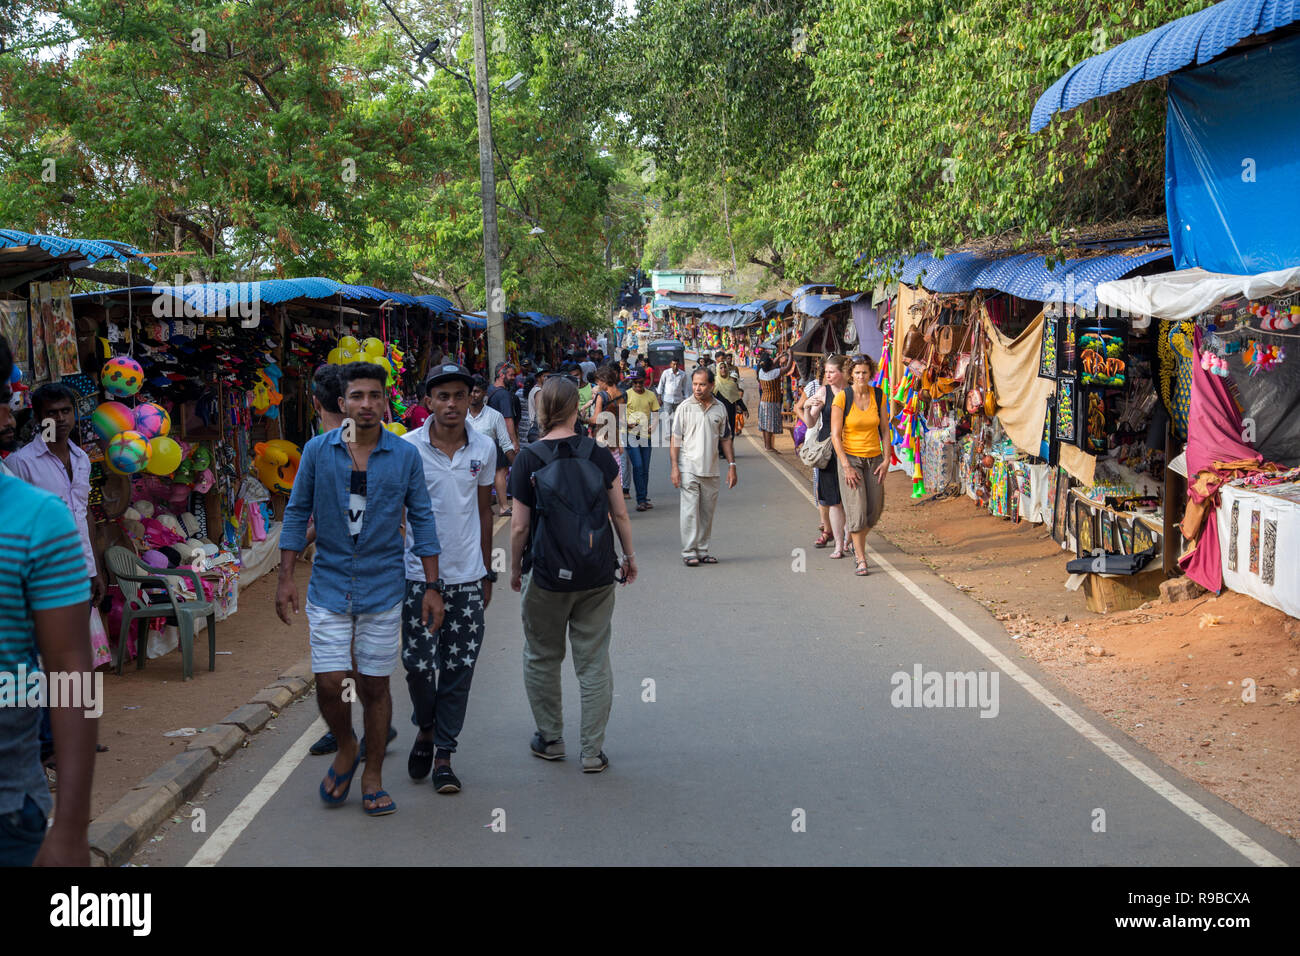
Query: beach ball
x,y
110,418
164,456
349,344
128,452
372,347
397,428
121,376
152,421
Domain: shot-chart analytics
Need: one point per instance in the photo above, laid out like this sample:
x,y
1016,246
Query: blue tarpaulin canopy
x,y
91,250
1232,162
1196,38
1025,276
223,298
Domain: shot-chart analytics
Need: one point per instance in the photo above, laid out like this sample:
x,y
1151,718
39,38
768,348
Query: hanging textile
x,y
1022,394
1215,454
1175,373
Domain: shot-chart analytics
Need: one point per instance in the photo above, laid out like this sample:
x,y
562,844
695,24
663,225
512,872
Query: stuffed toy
x,y
276,464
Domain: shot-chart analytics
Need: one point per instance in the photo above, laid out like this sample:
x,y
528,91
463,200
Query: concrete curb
x,y
121,829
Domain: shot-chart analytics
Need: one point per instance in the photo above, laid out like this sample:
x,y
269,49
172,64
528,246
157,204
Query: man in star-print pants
x,y
451,651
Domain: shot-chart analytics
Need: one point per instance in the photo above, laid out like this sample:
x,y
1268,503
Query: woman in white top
x,y
826,482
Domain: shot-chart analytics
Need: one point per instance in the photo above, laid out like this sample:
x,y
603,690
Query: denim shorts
x,y
21,834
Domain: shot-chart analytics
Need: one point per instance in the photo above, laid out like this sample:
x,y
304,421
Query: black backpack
x,y
572,546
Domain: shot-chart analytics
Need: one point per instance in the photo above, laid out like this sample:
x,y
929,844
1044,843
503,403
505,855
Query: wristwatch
x,y
438,586
491,576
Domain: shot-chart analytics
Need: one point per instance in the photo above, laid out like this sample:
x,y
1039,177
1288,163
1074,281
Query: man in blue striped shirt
x,y
43,610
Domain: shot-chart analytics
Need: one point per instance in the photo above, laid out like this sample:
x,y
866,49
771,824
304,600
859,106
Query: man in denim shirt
x,y
356,480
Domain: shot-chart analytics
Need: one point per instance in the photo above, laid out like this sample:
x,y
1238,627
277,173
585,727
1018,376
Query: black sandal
x,y
708,559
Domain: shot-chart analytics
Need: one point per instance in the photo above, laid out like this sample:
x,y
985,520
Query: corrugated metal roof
x,y
92,250
1196,38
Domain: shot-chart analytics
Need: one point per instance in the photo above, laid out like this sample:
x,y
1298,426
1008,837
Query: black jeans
x,y
440,665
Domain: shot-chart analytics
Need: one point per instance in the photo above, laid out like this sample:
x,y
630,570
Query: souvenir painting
x,y
57,308
1095,427
1048,363
1067,346
40,354
1102,358
13,324
1234,526
1085,525
1143,538
1108,537
1061,510
1067,427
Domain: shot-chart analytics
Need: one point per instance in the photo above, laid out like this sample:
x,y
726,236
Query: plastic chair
x,y
133,577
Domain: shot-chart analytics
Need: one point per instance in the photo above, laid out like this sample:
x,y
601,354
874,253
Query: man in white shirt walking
x,y
671,389
439,663
700,428
486,419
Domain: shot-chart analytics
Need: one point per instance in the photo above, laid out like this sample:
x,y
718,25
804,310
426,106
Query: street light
x,y
513,83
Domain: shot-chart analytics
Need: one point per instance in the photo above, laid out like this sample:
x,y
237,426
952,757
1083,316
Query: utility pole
x,y
496,330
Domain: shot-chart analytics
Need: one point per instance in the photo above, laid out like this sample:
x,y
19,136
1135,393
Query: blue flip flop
x,y
378,811
334,780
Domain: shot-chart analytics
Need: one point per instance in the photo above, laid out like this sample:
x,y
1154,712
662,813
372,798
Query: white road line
x,y
224,837
1211,821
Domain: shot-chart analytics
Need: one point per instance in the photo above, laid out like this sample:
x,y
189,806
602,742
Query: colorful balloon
x,y
122,376
387,367
397,428
349,344
128,452
372,347
164,456
151,420
110,418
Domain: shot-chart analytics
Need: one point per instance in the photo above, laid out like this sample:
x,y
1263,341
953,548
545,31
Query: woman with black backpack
x,y
567,509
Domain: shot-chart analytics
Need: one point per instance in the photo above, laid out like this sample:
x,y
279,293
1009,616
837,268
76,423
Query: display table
x,y
1259,537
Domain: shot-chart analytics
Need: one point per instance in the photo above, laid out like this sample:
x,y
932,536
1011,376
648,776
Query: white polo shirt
x,y
453,491
698,431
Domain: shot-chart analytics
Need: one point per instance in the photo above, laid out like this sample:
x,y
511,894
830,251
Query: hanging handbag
x,y
816,452
975,393
990,396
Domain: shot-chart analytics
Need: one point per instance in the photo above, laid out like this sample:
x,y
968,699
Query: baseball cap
x,y
637,375
447,373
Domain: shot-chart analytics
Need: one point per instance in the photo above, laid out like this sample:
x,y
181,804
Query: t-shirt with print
x,y
44,569
356,504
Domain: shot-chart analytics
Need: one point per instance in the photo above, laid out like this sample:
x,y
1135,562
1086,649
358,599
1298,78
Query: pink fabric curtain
x,y
1214,434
